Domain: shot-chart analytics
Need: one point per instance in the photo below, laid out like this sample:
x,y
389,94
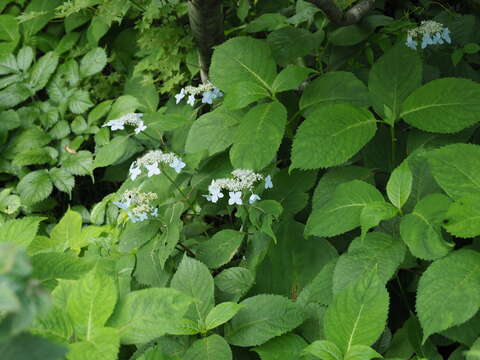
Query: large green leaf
x,y
143,88
220,249
421,229
79,163
144,315
110,153
9,34
262,318
325,350
358,313
220,314
342,212
393,77
93,62
35,187
445,105
20,231
233,283
62,179
58,265
213,347
104,343
234,62
42,11
290,78
464,217
67,232
399,185
42,70
456,168
14,95
331,135
288,346
260,133
449,291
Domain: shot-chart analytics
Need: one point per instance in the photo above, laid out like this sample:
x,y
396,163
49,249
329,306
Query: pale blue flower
x,y
177,164
253,198
180,96
217,93
140,127
120,205
235,198
208,97
412,44
268,182
155,212
191,100
446,35
142,217
132,217
215,193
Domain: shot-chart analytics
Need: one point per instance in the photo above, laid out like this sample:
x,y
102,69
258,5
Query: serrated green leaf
x,y
358,313
124,104
213,347
260,132
42,70
55,326
25,57
320,289
43,11
20,231
79,102
34,156
68,230
28,347
136,234
361,352
278,315
288,346
244,93
79,163
35,187
290,78
325,350
104,343
373,213
57,265
9,34
93,62
331,135
220,249
13,95
444,106
449,292
399,185
234,282
463,217
289,42
220,314
110,153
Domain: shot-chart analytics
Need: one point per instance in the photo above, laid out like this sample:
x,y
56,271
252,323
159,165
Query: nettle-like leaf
x,y
445,105
220,249
449,292
20,231
213,347
260,132
358,314
35,187
220,314
58,265
325,350
93,62
79,163
331,135
342,212
421,229
290,78
62,179
233,283
104,343
463,217
42,70
262,318
288,346
399,185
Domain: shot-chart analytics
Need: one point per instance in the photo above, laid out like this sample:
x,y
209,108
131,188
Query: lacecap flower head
x,y
208,92
428,33
137,204
242,181
132,119
151,161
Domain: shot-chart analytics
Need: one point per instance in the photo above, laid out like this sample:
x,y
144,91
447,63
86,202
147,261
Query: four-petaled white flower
x,y
152,169
141,126
215,192
134,173
235,198
180,96
268,182
253,198
191,100
177,164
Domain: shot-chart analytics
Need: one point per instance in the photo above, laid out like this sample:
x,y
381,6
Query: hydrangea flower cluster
x,y
208,91
151,161
242,180
132,119
431,33
137,204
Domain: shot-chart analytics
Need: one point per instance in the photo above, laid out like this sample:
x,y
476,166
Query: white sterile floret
x,y
132,119
253,198
151,162
137,204
208,92
268,182
430,33
235,198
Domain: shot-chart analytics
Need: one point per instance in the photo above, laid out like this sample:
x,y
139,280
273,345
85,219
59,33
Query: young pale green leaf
x,y
260,133
399,185
91,302
233,283
103,343
79,163
449,292
377,251
35,187
42,70
325,350
136,234
58,265
464,217
144,315
393,77
290,78
342,212
220,314
54,325
124,104
194,279
261,318
444,106
220,249
68,230
335,88
358,314
234,62
244,93
93,62
373,213
288,346
110,153
331,135
35,156
143,88
361,352
213,347
20,231
456,168
421,230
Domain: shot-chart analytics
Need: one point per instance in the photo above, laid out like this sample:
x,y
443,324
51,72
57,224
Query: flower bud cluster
x,y
137,204
132,119
151,162
207,90
242,180
430,32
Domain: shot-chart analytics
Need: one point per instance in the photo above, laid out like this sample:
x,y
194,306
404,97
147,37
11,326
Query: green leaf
x,y
444,106
104,343
288,346
110,153
34,156
213,347
266,22
220,314
290,78
20,231
260,132
349,35
79,102
143,88
144,315
79,163
456,168
93,62
463,217
262,318
194,279
342,212
42,11
234,62
331,135
29,347
471,48
57,265
320,289
325,350
421,230
124,104
9,34
55,326
68,230
213,131
136,234
289,43
449,292
91,302
373,213
25,57
334,88
361,352
393,77
13,95
399,185
42,70
234,282
35,187
220,249
358,313
377,251
244,93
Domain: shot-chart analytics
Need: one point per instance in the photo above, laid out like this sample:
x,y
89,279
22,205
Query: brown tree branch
x,y
336,15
